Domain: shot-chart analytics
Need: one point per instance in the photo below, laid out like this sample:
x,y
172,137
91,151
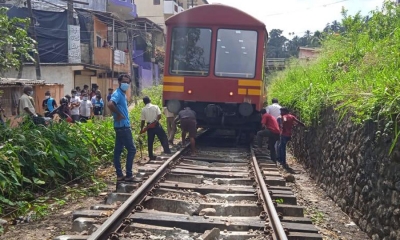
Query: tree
x,y
15,44
277,43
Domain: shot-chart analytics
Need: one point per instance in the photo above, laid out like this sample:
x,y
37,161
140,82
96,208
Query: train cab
x,y
215,64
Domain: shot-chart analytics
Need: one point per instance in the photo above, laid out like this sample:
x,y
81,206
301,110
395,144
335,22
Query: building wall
x,y
188,3
51,74
155,13
100,29
307,53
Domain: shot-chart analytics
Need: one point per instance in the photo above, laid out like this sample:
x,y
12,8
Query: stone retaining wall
x,y
352,164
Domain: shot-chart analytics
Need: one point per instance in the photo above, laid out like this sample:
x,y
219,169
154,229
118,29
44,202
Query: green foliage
x,y
15,44
38,159
356,71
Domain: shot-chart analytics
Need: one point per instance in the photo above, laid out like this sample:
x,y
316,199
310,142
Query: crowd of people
x,y
277,124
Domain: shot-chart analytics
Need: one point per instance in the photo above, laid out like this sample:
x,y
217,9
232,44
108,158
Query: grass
x,y
357,71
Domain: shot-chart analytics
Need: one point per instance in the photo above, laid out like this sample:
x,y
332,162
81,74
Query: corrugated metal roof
x,y
16,81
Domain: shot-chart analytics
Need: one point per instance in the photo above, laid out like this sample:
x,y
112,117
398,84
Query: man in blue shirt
x,y
49,104
119,108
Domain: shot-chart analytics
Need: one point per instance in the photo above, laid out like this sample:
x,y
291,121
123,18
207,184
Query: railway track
x,y
225,192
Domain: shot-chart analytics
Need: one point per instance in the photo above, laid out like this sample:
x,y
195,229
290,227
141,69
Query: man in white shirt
x,y
171,126
151,115
86,107
274,109
75,103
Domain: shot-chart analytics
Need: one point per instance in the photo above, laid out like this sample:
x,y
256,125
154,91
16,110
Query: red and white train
x,y
215,63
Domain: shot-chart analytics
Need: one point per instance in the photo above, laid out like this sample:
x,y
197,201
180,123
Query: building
x,y
159,10
308,53
91,61
193,3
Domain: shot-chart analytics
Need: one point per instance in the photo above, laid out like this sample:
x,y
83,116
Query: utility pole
x,y
33,34
192,3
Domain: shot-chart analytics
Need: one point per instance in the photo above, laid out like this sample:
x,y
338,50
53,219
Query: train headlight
x,y
245,109
231,94
190,91
174,106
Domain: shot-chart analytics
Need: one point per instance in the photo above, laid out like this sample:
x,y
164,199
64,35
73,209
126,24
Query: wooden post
x,y
33,34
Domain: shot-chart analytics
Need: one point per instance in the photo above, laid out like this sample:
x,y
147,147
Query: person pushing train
x,y
187,117
286,122
270,129
151,115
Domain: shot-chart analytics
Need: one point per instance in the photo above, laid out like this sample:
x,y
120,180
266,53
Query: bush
x,y
36,159
356,71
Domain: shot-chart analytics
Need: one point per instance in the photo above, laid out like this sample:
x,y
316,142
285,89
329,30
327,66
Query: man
x,y
85,108
26,105
286,123
122,126
152,114
93,92
274,109
271,130
49,104
187,118
171,126
2,123
110,92
75,104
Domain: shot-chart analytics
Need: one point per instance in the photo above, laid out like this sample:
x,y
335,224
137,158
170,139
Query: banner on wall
x,y
74,44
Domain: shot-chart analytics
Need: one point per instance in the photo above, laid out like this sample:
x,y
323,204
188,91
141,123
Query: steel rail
x,y
116,219
272,214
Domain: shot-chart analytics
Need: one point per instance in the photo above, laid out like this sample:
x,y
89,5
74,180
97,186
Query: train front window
x,y
236,53
190,51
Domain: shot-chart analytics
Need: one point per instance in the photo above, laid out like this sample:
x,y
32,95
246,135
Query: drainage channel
x,y
217,194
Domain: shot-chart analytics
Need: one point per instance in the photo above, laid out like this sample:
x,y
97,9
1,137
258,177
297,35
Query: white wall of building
x,y
51,74
147,9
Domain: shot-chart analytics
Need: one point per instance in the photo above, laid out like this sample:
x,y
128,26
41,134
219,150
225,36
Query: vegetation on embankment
x,y
357,70
35,160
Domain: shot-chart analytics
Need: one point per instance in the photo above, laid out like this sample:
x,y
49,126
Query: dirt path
x,y
332,222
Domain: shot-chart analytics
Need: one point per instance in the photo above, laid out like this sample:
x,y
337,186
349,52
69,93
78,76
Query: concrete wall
x,y
146,9
51,74
352,164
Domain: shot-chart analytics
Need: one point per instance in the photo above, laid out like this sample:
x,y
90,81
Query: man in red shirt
x,y
271,130
286,123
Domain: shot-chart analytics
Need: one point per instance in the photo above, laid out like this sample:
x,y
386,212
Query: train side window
x,y
190,51
236,54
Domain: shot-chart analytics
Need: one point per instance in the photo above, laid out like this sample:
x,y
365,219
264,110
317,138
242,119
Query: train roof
x,y
215,14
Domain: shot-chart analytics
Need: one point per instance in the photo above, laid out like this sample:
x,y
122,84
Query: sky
x,y
299,16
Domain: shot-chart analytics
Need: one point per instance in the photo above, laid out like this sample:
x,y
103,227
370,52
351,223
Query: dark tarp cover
x,y
85,18
52,33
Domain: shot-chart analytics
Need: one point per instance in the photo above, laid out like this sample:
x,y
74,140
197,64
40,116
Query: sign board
x,y
74,44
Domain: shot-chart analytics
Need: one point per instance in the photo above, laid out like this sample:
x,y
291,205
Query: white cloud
x,y
300,15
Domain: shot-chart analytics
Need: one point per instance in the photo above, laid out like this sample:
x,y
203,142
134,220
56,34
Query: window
x,y
99,43
236,53
156,2
190,51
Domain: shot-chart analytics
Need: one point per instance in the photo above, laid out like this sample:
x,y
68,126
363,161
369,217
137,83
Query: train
x,y
215,64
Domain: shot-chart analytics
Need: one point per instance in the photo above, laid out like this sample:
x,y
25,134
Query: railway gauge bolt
x,y
286,231
176,185
280,215
259,202
150,193
114,236
162,179
267,231
127,221
262,215
256,193
139,207
270,193
251,177
274,202
157,185
254,184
